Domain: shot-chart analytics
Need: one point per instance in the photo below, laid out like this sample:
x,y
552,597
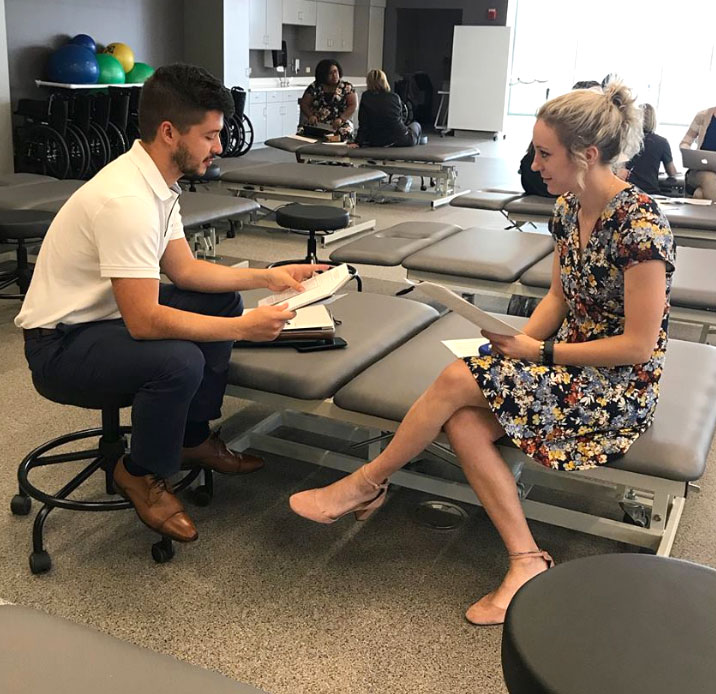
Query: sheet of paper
x,y
665,200
313,317
474,314
303,138
467,347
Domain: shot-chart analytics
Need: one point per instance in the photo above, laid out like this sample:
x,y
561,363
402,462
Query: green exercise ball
x,y
110,69
140,73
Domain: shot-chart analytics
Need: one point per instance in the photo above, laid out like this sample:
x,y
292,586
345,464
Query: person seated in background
x,y
703,132
643,169
329,101
380,116
532,182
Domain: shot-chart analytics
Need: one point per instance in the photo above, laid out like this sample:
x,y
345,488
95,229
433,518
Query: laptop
x,y
699,159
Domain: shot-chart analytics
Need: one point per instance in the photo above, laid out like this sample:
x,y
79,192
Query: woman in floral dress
x,y
329,100
579,386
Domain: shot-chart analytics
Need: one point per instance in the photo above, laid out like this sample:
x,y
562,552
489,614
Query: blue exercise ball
x,y
84,40
74,65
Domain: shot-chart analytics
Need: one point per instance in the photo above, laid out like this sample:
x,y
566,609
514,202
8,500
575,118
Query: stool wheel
x,y
202,496
163,551
40,562
20,505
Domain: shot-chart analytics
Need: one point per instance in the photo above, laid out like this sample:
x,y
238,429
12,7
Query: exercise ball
x,y
123,53
140,73
73,64
84,40
110,70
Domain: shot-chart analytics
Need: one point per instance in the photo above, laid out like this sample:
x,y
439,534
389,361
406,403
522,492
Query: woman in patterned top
x,y
329,100
578,387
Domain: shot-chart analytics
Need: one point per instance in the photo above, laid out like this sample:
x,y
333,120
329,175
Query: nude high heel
x,y
479,617
309,504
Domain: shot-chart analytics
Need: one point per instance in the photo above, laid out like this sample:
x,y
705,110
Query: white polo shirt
x,y
118,224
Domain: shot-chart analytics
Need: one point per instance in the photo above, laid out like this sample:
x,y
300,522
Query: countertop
x,y
272,84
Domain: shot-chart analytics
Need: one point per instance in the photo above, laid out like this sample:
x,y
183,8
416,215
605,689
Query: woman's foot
x,y
354,493
490,609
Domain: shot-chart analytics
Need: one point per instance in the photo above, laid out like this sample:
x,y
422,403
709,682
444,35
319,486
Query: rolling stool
x,y
112,445
617,623
18,227
314,220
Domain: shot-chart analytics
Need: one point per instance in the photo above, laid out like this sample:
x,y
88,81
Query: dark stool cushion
x,y
212,173
95,400
312,217
24,224
618,623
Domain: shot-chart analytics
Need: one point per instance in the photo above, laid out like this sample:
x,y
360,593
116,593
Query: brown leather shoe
x,y
214,454
155,504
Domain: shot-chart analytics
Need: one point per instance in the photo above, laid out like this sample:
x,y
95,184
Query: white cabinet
x,y
299,12
290,111
257,115
265,17
334,29
274,113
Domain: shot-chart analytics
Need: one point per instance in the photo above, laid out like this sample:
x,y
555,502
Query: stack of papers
x,y
311,323
316,288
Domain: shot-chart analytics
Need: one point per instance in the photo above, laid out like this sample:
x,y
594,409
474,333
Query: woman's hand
x,y
337,122
313,120
516,347
290,276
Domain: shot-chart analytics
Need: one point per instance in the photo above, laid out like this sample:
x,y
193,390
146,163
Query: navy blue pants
x,y
173,381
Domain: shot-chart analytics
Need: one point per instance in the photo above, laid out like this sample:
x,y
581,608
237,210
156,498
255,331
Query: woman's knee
x,y
457,383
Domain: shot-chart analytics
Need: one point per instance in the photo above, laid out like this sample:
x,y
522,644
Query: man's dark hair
x,y
324,67
181,94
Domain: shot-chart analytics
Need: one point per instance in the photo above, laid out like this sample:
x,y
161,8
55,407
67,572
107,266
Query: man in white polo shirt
x,y
97,319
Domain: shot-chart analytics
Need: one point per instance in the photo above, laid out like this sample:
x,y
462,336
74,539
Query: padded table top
x,y
532,204
694,284
628,622
38,195
41,653
484,200
675,447
391,246
483,254
690,216
371,324
202,208
302,176
23,179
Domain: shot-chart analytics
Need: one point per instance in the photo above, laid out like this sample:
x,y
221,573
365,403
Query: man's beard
x,y
182,160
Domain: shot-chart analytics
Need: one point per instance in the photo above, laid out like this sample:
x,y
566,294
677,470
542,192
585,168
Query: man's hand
x,y
285,277
264,323
516,346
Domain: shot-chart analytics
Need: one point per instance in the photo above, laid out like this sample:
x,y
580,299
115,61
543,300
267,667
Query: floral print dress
x,y
328,106
578,417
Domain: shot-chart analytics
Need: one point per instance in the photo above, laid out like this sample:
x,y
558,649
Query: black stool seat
x,y
618,623
90,400
312,217
24,224
212,173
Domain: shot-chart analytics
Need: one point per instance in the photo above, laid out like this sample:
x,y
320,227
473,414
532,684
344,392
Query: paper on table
x,y
665,200
465,348
475,315
303,138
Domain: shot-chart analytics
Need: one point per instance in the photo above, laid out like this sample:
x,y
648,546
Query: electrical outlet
x,y
308,70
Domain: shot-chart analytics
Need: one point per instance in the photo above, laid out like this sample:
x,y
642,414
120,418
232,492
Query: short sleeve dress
x,y
579,417
327,107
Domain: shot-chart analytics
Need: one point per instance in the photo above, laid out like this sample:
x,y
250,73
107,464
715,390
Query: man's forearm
x,y
203,276
167,323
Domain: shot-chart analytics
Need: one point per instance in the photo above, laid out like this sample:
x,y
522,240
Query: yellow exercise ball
x,y
123,53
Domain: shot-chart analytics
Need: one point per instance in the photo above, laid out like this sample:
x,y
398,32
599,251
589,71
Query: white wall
x,y
6,165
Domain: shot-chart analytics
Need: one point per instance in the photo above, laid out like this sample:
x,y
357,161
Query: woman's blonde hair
x,y
648,114
376,81
607,120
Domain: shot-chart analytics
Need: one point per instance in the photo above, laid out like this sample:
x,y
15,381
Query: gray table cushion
x,y
41,653
37,195
430,153
287,144
233,163
391,246
302,176
694,283
323,149
201,208
484,200
540,274
23,179
691,216
371,324
675,447
531,204
485,254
